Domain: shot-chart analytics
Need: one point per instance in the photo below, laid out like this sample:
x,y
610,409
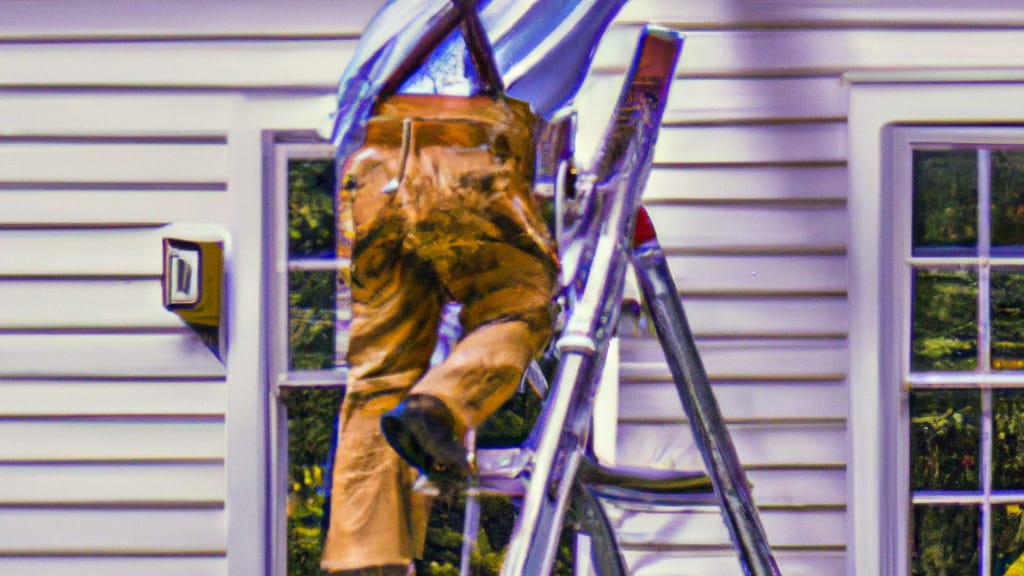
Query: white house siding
x,y
749,193
125,446
118,430
112,415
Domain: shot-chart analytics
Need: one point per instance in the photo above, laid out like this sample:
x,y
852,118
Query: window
x,y
308,311
958,199
884,110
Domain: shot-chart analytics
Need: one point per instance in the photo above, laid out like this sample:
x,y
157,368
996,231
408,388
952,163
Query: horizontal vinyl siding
x,y
119,161
112,412
791,401
748,194
746,184
93,532
271,63
695,14
113,484
83,303
790,529
763,229
802,60
822,274
96,438
97,250
122,398
154,18
103,353
188,18
706,561
152,565
99,206
798,51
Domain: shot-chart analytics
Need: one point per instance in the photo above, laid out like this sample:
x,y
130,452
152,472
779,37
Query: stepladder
x,y
554,472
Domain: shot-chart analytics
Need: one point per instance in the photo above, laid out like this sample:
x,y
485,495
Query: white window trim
x,y
252,120
304,146
876,534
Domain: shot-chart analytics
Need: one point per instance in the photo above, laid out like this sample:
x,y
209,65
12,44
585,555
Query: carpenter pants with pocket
x,y
438,207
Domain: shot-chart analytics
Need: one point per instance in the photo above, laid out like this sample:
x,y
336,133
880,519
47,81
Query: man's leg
x,y
376,519
507,317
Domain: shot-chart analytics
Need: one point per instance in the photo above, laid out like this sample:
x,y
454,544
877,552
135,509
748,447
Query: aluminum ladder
x,y
552,470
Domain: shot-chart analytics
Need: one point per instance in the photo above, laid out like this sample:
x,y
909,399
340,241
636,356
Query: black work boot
x,y
423,432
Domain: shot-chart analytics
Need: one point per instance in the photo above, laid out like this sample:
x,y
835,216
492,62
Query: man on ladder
x,y
436,205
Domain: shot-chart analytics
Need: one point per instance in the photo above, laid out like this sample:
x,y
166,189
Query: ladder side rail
x,y
557,456
616,187
710,433
587,512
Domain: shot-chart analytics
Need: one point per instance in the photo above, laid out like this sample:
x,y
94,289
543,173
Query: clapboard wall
x,y
112,415
117,436
123,443
749,192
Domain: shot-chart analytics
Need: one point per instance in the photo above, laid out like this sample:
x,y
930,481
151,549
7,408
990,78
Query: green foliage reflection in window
x,y
965,294
1008,441
1007,198
1007,540
945,198
945,541
312,306
311,420
311,224
312,324
945,327
311,319
944,439
1007,314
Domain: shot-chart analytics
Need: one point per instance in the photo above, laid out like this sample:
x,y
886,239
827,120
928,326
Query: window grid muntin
x,y
982,378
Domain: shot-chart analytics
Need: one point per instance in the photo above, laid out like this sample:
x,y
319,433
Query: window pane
x,y
311,320
944,434
1008,441
945,199
312,414
945,541
945,324
1007,539
311,222
1007,303
1007,198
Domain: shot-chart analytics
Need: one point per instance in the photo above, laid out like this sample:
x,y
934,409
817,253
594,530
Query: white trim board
x,y
876,103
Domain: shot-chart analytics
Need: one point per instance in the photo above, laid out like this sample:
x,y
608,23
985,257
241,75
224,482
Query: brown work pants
x,y
440,207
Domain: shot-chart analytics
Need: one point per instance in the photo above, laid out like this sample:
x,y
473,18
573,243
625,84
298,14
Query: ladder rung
x,y
644,480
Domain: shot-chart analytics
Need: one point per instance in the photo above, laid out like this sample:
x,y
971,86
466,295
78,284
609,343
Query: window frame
x,y
981,139
284,148
880,104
